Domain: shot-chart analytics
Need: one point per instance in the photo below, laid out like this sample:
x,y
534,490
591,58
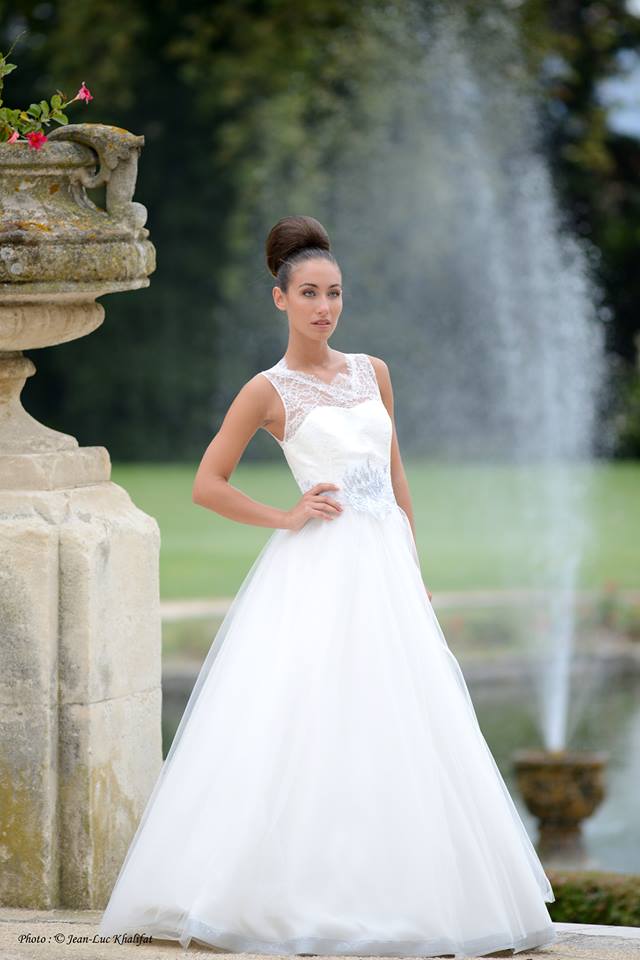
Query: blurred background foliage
x,y
232,94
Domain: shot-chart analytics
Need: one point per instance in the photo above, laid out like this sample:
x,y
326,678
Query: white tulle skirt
x,y
329,789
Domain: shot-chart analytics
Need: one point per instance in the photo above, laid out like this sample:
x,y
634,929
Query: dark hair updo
x,y
292,240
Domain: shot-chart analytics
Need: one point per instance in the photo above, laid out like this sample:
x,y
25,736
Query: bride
x,y
329,789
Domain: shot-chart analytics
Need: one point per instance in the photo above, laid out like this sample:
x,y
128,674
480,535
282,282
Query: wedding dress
x,y
328,789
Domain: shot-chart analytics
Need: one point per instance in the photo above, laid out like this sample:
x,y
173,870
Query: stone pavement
x,y
54,933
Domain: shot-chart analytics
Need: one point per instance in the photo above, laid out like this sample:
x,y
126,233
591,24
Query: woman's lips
x,y
321,323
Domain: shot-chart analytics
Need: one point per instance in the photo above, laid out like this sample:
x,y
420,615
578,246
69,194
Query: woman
x,y
328,789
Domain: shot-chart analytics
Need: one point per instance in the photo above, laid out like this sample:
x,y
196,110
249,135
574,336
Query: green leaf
x,y
56,101
45,108
59,116
34,109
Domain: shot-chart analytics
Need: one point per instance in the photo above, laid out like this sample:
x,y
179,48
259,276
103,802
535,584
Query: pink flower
x,y
36,139
14,136
83,93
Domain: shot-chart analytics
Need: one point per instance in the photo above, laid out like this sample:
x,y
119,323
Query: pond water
x,y
610,721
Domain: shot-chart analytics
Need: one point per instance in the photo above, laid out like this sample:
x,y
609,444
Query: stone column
x,y
80,635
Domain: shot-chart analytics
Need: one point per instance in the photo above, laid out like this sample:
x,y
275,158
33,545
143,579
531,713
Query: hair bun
x,y
291,234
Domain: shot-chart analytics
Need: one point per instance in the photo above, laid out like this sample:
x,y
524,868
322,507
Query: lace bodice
x,y
338,432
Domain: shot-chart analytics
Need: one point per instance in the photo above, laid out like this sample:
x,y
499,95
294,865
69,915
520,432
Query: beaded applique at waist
x,y
364,485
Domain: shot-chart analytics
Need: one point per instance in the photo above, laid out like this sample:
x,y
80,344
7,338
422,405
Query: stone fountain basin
x,y
561,786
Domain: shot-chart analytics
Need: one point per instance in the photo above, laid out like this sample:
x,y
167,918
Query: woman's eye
x,y
336,293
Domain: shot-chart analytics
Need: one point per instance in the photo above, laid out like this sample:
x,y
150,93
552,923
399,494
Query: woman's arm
x,y
211,487
398,476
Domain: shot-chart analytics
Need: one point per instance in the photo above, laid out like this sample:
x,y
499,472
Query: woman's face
x,y
314,294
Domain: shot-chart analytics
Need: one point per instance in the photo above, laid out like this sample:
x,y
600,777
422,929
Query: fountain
x,y
497,321
561,789
460,272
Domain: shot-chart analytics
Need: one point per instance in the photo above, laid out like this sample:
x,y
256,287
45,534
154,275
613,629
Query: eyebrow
x,y
307,284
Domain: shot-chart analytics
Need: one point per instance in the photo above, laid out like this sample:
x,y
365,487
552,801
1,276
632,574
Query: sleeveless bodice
x,y
338,432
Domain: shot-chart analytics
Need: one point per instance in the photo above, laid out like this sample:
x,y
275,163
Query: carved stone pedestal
x,y
80,638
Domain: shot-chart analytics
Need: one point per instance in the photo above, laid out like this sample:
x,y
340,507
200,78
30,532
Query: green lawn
x,y
469,523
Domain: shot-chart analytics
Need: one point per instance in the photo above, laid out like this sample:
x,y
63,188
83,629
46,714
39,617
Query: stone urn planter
x,y
58,253
561,788
80,700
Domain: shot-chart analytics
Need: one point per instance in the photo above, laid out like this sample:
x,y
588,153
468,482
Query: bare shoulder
x,y
254,398
381,369
378,362
258,386
256,390
384,382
